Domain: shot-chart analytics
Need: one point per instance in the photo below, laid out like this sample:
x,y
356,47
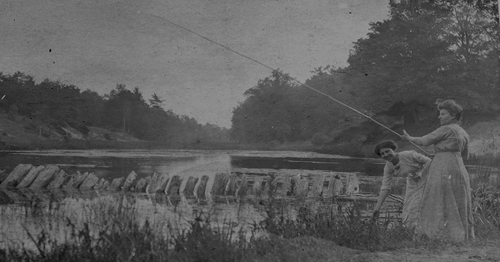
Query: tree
x,y
124,109
156,101
428,50
424,51
266,114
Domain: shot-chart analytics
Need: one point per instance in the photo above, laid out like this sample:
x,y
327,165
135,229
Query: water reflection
x,y
115,163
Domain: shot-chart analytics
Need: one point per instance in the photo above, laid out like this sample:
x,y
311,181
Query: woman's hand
x,y
415,176
405,136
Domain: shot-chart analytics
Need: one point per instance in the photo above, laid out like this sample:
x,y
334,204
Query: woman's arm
x,y
429,139
412,139
384,189
422,162
465,153
419,158
380,201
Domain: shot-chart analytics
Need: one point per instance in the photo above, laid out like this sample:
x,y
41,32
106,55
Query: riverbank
x,y
24,133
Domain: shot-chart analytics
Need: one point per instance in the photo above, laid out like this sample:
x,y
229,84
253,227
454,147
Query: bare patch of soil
x,y
313,249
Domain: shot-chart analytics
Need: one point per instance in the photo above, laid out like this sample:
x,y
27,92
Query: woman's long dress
x,y
446,210
411,164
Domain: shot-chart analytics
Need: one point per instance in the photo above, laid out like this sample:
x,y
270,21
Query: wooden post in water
x,y
202,187
232,185
153,180
160,183
220,183
129,181
352,184
258,186
116,184
174,186
16,175
79,179
67,185
5,199
250,185
277,184
103,185
30,177
241,191
15,195
44,177
59,179
338,186
328,181
190,185
281,185
287,184
302,185
140,186
89,182
316,185
293,186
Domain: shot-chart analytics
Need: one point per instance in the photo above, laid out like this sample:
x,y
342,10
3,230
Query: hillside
x,y
21,132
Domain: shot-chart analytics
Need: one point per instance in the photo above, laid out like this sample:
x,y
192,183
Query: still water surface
x,y
116,163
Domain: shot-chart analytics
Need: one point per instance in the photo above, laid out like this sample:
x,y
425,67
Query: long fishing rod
x,y
292,78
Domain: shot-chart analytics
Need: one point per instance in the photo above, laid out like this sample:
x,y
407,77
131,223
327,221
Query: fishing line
x,y
292,78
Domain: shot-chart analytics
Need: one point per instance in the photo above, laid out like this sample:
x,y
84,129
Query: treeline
x,y
425,50
122,110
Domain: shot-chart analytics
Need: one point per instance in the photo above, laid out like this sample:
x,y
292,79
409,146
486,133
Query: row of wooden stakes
x,y
236,182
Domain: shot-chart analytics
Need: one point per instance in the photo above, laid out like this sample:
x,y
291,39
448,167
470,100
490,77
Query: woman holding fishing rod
x,y
445,208
409,164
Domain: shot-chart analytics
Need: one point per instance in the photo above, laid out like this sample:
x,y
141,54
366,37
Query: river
x,y
116,163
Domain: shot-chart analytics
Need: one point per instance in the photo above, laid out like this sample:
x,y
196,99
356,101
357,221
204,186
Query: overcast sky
x,y
96,44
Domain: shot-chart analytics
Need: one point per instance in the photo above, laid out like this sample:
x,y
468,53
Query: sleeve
x,y
419,158
387,178
433,137
465,152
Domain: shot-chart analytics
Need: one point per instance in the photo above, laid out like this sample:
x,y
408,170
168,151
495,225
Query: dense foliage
x,y
122,110
425,50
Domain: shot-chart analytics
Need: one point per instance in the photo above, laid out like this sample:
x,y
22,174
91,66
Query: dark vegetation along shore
x,y
55,115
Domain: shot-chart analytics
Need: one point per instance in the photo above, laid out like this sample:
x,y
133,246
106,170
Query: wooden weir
x,y
235,183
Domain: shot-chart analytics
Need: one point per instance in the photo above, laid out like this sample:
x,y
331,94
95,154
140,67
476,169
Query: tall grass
x,y
115,233
486,197
122,237
349,228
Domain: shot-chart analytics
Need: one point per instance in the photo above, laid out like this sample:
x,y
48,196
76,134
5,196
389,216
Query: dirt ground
x,y
489,252
313,249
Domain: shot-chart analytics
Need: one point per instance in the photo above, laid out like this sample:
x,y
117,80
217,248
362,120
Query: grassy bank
x,y
312,237
116,233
